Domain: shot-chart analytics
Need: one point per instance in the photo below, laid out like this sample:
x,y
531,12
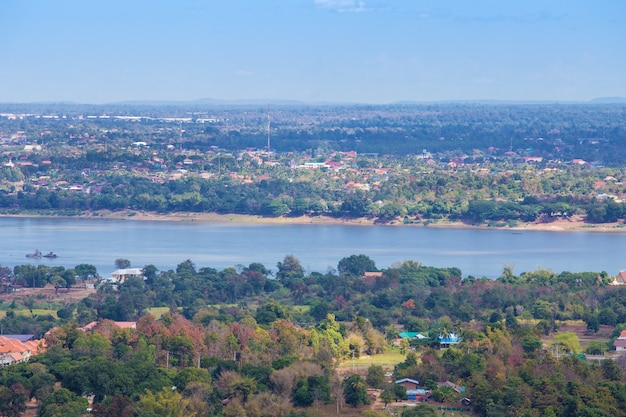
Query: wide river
x,y
318,247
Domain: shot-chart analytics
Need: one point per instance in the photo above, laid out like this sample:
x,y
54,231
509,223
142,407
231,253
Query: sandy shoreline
x,y
573,224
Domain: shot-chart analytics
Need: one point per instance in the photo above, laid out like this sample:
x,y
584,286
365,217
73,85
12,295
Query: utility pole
x,y
556,348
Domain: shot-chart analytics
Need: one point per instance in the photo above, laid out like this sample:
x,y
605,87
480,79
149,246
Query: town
x,y
407,164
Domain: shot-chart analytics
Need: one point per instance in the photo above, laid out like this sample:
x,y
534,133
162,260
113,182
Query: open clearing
x,y
359,365
584,337
48,294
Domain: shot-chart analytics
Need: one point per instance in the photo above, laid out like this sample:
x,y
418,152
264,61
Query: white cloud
x,y
342,5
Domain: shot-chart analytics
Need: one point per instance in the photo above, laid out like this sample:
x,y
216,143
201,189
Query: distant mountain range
x,y
282,102
609,100
212,102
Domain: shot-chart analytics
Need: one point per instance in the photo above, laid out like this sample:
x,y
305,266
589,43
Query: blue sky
x,y
362,51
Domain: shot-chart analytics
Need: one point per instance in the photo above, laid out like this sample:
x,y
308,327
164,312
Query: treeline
x,y
436,195
531,209
408,294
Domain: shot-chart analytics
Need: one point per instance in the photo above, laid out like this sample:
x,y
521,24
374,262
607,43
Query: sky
x,y
344,51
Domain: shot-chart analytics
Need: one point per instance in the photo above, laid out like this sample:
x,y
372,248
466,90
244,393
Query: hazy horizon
x,y
311,51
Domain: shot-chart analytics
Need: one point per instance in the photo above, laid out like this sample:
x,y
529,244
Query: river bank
x,y
572,224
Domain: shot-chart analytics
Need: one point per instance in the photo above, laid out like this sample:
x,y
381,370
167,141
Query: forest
x,y
247,341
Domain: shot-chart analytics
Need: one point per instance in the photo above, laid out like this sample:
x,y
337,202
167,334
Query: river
x,y
476,252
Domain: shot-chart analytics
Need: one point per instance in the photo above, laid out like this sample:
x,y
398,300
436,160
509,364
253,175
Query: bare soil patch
x,y
585,337
570,224
49,294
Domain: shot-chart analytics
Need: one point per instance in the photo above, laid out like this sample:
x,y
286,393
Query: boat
x,y
36,254
51,255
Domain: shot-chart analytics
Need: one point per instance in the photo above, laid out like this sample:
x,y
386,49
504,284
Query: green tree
x,y
270,312
84,271
610,370
301,396
289,269
399,392
375,376
355,391
391,211
568,342
243,387
63,403
118,406
189,375
444,394
387,396
356,265
166,403
122,263
12,400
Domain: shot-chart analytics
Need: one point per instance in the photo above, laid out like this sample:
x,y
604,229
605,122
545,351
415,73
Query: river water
x,y
318,247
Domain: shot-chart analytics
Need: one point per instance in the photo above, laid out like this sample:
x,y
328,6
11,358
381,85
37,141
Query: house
x,y
411,335
120,324
620,345
620,279
21,337
620,342
451,339
455,387
369,274
121,275
408,383
418,394
13,350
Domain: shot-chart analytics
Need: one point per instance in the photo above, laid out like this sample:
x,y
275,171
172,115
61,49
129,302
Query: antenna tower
x,y
268,127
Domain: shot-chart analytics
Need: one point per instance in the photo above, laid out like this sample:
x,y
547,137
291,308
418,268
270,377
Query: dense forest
x,y
247,341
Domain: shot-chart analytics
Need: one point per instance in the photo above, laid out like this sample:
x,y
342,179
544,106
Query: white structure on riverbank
x,y
120,275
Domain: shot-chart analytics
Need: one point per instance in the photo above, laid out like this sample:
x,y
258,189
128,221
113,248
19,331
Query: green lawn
x,y
157,312
36,312
301,309
387,360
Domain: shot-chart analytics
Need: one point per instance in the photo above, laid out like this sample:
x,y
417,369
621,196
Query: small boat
x,y
35,254
51,255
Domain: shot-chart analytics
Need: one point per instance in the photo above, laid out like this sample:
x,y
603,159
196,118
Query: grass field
x,y
580,329
36,312
387,360
157,312
301,309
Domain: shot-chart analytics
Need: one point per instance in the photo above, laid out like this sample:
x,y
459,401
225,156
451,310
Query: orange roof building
x,y
14,351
